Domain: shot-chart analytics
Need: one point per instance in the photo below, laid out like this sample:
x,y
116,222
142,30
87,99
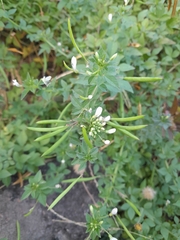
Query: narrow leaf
x,y
55,145
63,193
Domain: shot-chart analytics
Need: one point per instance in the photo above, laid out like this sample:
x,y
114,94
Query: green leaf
x,y
165,233
124,67
22,138
4,174
131,213
38,176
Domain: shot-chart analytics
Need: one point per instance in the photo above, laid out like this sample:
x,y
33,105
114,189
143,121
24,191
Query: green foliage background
x,y
147,41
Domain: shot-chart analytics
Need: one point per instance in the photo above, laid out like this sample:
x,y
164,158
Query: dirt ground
x,y
43,224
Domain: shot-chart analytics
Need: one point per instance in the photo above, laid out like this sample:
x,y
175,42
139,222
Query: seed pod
x,y
128,119
142,79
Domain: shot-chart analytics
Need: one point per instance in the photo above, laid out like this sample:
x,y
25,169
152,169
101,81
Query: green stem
x,y
115,174
125,229
73,40
18,230
152,175
5,77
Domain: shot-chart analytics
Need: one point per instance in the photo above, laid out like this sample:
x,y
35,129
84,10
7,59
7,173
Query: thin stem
x,y
115,174
82,224
73,40
121,102
125,229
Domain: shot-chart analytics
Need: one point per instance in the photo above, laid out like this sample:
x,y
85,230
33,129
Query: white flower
x,y
107,142
126,2
98,112
62,161
110,131
112,238
113,56
46,80
57,186
114,211
110,17
96,55
59,44
90,110
73,62
90,96
167,202
106,119
15,83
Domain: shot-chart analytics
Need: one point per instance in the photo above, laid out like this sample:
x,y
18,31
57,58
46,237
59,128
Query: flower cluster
x,y
97,125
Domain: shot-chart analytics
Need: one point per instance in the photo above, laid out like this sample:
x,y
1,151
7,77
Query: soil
x,y
43,224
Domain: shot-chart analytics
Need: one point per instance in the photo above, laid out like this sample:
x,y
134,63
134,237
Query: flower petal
x,y
98,112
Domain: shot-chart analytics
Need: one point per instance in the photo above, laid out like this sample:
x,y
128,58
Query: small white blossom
x,y
110,131
90,96
110,17
73,62
106,119
72,146
114,211
167,202
113,56
90,110
126,2
59,44
107,142
62,161
46,80
97,55
15,83
112,238
98,112
57,186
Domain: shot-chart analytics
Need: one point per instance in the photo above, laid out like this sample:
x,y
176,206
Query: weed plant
x,y
101,93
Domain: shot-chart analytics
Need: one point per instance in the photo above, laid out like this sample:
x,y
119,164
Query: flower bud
x,y
90,96
110,17
98,112
73,62
113,56
97,55
112,238
107,142
112,130
114,211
